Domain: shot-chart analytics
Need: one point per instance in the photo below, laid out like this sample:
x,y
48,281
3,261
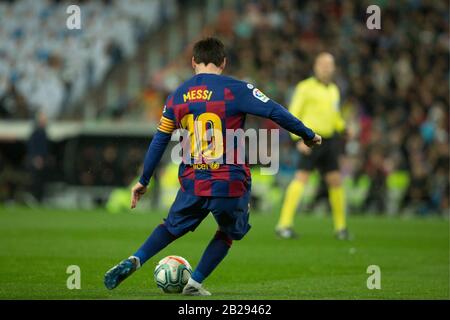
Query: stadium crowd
x,y
394,85
45,66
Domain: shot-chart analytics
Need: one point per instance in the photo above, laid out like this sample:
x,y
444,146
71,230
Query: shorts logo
x,y
250,86
259,95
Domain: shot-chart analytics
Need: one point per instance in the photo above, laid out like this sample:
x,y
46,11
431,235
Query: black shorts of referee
x,y
323,158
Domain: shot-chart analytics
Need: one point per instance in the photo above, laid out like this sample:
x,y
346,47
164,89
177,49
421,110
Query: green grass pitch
x,y
36,246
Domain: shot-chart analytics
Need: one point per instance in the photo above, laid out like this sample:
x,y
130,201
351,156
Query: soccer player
x,y
316,102
207,100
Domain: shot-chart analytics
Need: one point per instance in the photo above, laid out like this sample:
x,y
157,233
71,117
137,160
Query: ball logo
x,y
259,95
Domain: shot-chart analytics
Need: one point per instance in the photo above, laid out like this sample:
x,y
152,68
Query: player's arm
x,y
154,153
253,101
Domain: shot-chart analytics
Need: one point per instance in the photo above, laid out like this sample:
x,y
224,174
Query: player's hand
x,y
303,148
136,193
316,141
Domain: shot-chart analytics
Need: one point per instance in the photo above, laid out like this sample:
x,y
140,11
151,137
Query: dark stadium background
x,y
393,81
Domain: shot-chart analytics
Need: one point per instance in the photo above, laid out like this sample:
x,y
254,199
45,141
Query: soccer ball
x,y
172,274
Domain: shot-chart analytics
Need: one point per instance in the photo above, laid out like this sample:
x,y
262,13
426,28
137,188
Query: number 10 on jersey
x,y
205,135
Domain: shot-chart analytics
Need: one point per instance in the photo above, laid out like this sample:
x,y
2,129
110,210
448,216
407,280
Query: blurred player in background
x,y
222,187
316,102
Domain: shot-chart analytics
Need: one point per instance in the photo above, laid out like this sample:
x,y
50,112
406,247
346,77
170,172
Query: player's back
x,y
206,107
212,109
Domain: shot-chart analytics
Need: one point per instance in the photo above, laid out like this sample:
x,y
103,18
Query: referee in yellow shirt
x,y
316,102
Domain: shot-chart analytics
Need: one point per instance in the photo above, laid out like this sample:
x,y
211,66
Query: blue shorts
x,y
188,211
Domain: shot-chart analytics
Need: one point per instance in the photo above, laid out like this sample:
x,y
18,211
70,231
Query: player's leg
x,y
232,215
185,215
158,240
329,168
292,198
214,253
336,194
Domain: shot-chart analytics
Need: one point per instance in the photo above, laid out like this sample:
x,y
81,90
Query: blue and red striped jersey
x,y
208,107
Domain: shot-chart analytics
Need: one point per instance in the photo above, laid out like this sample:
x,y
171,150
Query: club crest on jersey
x,y
260,96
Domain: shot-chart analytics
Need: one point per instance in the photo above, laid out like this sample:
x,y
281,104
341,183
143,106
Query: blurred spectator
x,y
37,153
12,103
